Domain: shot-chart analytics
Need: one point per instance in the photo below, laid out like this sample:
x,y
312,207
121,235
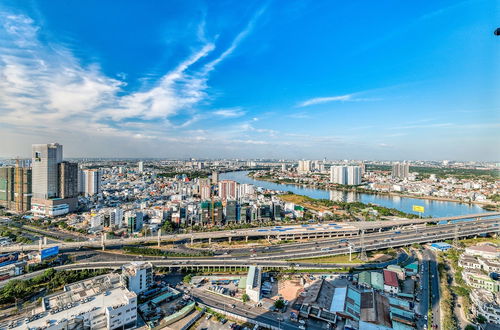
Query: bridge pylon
x,y
362,254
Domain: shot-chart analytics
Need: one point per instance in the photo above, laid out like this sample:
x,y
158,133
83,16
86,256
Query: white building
x,y
488,251
304,166
140,166
90,182
487,304
353,175
45,178
100,302
138,276
338,174
116,217
253,283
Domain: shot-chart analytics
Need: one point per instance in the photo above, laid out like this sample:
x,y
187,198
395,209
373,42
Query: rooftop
x,y
101,292
390,278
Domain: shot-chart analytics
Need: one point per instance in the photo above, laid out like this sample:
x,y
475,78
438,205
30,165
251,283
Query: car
x,y
302,327
208,317
233,306
223,321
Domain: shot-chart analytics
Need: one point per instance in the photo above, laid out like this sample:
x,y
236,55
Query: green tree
x,y
481,319
245,298
279,304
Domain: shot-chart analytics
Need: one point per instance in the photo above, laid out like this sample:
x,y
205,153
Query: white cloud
x,y
45,88
338,98
229,113
319,100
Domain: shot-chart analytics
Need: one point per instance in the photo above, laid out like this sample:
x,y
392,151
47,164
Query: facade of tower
x,y
45,167
54,182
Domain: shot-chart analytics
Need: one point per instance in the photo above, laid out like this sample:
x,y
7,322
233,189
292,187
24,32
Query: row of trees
x,y
50,280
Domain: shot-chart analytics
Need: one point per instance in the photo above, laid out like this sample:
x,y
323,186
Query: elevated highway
x,y
293,232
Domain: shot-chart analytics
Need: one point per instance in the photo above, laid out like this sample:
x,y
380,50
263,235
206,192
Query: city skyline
x,y
301,80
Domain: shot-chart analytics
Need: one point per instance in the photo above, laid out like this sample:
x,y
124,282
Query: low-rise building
x,y
391,283
469,262
488,251
487,304
479,280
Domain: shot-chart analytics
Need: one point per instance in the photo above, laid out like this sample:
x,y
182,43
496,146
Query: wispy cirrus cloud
x,y
230,112
46,86
338,98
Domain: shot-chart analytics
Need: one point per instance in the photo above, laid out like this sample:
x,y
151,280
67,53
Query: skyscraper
x,y
140,166
46,159
54,182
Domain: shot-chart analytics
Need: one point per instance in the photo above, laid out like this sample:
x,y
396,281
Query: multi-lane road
x,y
316,231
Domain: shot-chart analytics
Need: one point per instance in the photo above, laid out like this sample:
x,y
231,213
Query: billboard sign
x,y
8,258
418,208
49,252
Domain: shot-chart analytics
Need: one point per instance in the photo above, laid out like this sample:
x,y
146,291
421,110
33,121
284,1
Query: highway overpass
x,y
292,232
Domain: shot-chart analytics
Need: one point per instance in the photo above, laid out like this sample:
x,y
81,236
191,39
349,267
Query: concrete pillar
x,y
159,235
45,240
103,238
192,240
246,238
230,239
210,240
40,244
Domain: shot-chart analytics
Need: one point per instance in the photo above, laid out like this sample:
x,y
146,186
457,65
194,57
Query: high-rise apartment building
x,y
400,170
15,188
304,166
338,174
54,182
353,175
228,189
90,182
140,166
68,180
346,175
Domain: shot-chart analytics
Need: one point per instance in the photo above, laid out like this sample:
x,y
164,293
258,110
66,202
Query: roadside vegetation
x,y
344,258
50,281
447,301
138,250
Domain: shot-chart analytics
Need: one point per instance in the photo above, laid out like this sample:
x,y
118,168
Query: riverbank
x,y
485,205
353,210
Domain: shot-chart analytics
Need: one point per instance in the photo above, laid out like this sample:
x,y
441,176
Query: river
x,y
432,208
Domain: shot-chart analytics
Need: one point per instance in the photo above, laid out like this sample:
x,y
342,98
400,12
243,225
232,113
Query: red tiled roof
x,y
390,278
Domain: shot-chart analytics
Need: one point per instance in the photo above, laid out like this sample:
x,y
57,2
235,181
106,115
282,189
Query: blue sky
x,y
243,79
